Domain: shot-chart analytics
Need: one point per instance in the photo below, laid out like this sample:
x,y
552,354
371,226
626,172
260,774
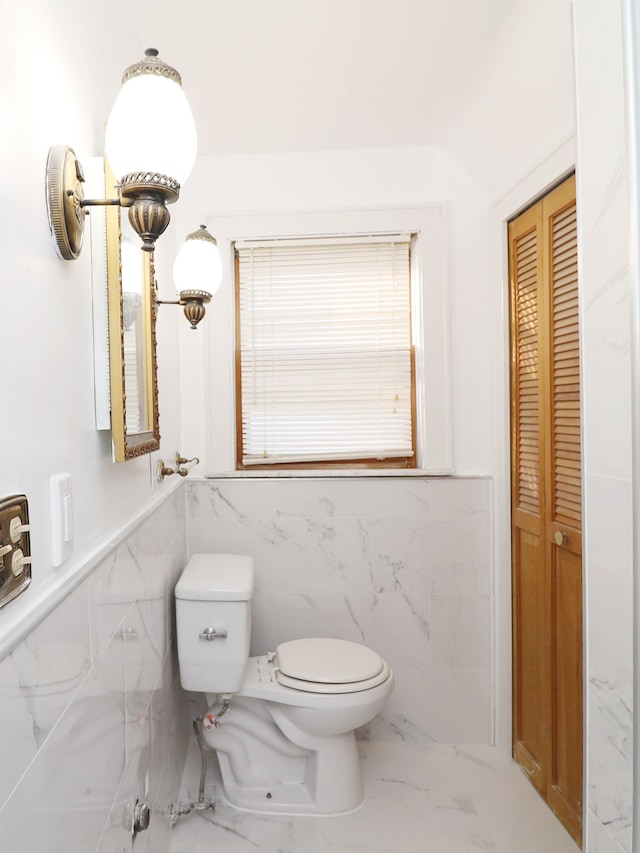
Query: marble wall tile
x,y
117,832
143,636
461,628
605,291
610,756
401,565
76,772
82,690
329,562
609,523
113,587
289,553
171,714
600,841
38,680
157,534
408,497
384,555
229,499
415,554
441,706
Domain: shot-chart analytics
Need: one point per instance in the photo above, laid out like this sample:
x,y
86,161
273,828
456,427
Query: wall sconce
x,y
151,145
197,261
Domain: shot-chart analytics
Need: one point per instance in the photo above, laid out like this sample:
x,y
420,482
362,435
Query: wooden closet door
x,y
546,502
531,654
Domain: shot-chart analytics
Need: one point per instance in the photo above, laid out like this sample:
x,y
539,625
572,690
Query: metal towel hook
x,y
183,466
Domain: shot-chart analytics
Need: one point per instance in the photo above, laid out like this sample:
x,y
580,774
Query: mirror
x,y
131,288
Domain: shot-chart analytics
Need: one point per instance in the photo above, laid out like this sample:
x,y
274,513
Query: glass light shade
x,y
198,264
151,129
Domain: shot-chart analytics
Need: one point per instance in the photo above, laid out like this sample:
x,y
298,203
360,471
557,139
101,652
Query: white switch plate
x,y
61,518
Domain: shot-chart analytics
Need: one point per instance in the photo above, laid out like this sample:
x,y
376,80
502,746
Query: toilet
x,y
287,742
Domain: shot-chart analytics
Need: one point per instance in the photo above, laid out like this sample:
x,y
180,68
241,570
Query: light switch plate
x,y
61,518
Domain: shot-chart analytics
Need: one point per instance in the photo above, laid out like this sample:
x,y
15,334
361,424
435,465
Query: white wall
x,y
63,665
519,104
605,290
61,65
343,180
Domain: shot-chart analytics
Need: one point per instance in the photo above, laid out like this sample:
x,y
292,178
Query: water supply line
x,y
209,721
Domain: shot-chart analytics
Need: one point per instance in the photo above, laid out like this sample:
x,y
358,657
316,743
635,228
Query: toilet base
x,y
269,766
282,799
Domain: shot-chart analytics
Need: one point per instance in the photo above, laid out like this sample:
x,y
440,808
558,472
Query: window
x,y
324,352
210,420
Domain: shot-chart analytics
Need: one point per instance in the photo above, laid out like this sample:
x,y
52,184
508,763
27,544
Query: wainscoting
x,y
400,564
92,715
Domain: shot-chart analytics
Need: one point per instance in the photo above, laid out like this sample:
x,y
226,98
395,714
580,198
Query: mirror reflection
x,y
136,410
132,340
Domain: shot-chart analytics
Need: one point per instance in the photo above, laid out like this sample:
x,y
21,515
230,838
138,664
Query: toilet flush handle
x,y
212,634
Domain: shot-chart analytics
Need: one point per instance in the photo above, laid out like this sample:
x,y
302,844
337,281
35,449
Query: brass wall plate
x,y
15,547
64,196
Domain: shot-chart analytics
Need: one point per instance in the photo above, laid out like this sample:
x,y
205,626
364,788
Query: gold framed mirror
x,y
131,296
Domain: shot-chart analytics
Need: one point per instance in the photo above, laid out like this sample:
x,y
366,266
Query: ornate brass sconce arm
x,y
145,194
193,302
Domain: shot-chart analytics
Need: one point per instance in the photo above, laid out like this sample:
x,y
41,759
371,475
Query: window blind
x,y
325,355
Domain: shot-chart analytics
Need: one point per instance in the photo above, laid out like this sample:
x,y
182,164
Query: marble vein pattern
x,y
93,717
428,798
401,565
600,841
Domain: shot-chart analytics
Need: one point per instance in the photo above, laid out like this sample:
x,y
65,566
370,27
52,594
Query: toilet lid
x,y
323,665
327,687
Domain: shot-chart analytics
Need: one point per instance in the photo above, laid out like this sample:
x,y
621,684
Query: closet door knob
x,y
561,538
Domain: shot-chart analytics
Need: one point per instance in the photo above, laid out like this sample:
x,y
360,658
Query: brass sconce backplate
x,y
64,201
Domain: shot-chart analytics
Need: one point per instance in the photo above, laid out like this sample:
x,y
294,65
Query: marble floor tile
x,y
434,798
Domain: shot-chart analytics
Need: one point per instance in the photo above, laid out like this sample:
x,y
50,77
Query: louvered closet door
x,y
546,502
530,594
564,510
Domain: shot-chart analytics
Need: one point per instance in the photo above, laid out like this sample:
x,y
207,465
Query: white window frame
x,y
430,321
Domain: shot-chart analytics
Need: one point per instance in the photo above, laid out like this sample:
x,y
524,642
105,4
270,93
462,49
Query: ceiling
x,y
489,82
292,75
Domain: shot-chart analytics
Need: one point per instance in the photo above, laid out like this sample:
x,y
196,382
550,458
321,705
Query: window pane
x,y
325,350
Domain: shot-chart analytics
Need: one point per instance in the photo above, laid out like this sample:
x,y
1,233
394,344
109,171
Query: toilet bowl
x,y
287,742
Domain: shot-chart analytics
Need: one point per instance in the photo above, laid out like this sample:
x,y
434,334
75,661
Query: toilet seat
x,y
324,665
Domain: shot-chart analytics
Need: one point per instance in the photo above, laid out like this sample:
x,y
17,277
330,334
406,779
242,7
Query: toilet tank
x,y
213,596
